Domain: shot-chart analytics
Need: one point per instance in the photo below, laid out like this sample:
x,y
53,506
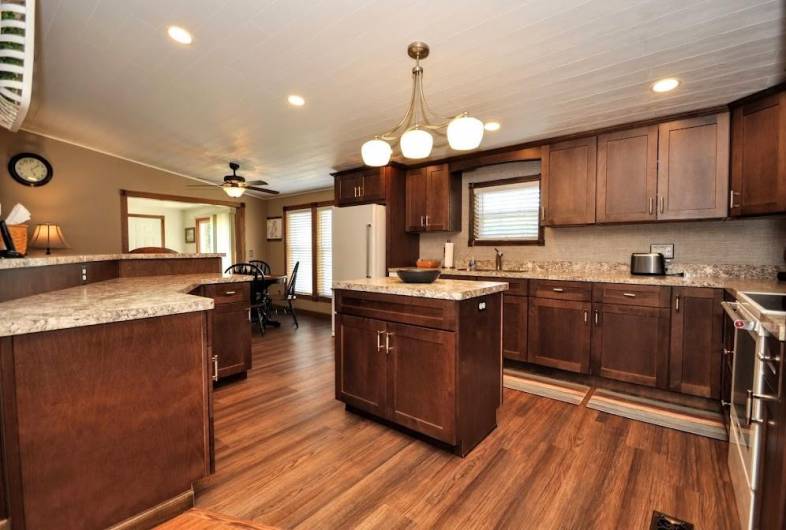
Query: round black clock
x,y
30,169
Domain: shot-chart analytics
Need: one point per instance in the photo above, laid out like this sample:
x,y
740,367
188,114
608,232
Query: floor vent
x,y
661,521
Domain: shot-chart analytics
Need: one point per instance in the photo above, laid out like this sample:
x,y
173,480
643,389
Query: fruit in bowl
x,y
428,263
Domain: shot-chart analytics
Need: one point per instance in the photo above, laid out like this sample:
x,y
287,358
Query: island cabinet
x,y
230,329
433,199
758,162
630,336
429,365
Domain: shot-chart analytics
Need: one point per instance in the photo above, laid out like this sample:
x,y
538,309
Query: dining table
x,y
265,284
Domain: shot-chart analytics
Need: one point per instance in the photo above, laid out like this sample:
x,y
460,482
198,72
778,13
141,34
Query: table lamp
x,y
48,236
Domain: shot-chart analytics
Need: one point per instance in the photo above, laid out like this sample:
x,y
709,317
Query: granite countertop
x,y
43,261
109,301
440,289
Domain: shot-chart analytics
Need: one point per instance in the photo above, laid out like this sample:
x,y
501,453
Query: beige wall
x,y
750,241
274,252
84,195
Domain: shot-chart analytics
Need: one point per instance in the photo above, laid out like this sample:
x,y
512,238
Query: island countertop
x,y
440,289
112,300
45,261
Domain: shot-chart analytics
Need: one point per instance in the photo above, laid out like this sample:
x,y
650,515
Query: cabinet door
x,y
416,200
758,165
438,197
372,185
631,343
627,175
514,327
231,338
696,341
361,363
693,168
568,182
422,380
347,188
559,334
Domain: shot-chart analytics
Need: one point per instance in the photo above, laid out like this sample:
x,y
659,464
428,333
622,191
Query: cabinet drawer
x,y
625,294
516,286
228,293
559,290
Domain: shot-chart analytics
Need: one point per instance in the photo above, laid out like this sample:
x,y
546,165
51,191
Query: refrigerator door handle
x,y
368,251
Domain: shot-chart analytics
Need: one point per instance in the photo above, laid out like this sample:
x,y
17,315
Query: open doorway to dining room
x,y
183,224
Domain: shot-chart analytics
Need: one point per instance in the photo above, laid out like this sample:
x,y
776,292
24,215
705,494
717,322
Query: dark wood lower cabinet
x,y
514,327
229,326
696,341
432,366
631,344
559,334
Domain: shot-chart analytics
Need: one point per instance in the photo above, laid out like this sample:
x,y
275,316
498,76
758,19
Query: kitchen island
x,y
105,369
425,357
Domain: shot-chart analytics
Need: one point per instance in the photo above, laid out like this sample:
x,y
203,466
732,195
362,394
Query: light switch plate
x,y
667,249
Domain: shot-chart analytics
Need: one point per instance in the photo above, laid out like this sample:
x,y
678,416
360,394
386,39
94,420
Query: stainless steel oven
x,y
752,362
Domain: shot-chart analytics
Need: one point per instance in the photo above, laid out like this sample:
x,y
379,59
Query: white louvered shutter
x,y
508,212
324,251
298,234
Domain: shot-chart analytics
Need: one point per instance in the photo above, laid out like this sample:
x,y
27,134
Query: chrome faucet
x,y
472,264
498,265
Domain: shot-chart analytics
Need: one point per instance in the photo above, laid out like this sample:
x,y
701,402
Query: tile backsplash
x,y
738,241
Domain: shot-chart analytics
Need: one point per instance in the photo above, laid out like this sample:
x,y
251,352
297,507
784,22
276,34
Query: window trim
x,y
313,206
472,242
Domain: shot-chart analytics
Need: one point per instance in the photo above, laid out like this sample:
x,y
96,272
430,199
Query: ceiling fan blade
x,y
256,182
203,185
263,190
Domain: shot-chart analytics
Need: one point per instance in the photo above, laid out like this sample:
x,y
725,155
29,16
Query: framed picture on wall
x,y
274,228
191,235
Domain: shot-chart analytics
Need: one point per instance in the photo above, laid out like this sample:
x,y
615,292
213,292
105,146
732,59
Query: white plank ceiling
x,y
108,76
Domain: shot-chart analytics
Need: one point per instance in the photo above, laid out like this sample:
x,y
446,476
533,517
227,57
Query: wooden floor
x,y
290,456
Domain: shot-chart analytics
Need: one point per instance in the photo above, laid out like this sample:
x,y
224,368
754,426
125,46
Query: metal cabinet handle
x,y
388,347
215,368
379,340
422,220
427,223
230,293
732,193
586,316
355,191
651,204
749,407
629,295
558,289
677,304
597,314
662,204
361,191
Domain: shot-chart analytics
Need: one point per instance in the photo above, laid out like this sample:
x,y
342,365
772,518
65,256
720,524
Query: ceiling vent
x,y
17,34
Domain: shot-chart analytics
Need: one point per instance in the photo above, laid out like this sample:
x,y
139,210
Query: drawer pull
x,y
558,289
215,368
586,316
230,293
379,340
629,295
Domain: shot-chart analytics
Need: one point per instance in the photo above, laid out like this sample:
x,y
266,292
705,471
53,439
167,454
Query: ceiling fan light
x,y
465,133
234,191
376,153
416,143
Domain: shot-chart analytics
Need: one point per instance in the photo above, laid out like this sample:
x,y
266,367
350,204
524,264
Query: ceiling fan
x,y
235,186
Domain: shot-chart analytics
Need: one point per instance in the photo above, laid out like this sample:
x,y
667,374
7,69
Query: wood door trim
x,y
197,222
163,223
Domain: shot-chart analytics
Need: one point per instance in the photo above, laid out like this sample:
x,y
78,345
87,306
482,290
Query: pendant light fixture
x,y
414,131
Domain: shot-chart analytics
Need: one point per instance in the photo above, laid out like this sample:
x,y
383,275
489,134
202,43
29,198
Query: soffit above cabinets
x,y
108,76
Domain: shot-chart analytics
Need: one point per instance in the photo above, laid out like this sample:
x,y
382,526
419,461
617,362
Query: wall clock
x,y
30,169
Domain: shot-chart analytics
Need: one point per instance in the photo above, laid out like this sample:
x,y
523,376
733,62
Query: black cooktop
x,y
770,302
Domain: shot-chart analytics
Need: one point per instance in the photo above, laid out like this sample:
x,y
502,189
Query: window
x,y
506,212
308,240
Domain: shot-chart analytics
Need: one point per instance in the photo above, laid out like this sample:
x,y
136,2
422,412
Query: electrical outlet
x,y
667,249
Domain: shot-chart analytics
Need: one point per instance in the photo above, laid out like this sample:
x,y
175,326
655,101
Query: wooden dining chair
x,y
263,266
289,295
260,302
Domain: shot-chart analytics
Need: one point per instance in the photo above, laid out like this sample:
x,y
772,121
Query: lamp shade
x,y
234,191
416,143
48,236
465,132
376,153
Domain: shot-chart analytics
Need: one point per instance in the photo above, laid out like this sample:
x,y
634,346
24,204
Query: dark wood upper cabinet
x,y
696,341
433,199
758,166
514,327
347,188
361,377
559,334
568,182
362,186
627,184
631,343
693,168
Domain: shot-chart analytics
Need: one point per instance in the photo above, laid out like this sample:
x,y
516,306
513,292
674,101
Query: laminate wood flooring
x,y
289,456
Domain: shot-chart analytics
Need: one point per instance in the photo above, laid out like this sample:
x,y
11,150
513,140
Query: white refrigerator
x,y
358,243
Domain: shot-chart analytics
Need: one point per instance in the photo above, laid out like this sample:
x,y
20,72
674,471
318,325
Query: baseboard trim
x,y
158,514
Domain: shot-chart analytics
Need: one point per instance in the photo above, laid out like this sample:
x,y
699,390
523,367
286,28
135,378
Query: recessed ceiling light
x,y
491,126
180,35
296,100
665,85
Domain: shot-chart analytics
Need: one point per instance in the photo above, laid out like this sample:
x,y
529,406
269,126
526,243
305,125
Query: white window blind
x,y
298,246
324,251
508,212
